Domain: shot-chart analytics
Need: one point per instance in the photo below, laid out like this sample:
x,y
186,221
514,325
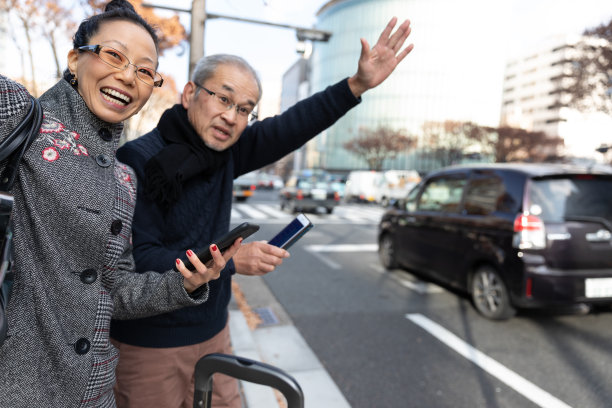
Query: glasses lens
x,y
113,57
147,75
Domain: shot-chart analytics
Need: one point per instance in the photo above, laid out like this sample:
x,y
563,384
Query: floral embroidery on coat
x,y
126,179
60,139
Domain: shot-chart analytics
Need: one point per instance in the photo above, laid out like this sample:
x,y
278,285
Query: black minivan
x,y
511,235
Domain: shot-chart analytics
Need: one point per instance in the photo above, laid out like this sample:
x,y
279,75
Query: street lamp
x,y
199,17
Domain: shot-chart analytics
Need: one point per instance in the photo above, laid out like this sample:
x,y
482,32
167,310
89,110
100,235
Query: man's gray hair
x,y
207,67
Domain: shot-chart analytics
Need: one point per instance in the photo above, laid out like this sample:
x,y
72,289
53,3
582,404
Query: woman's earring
x,y
73,80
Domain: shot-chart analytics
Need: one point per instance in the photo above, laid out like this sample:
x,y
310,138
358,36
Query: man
x,y
186,167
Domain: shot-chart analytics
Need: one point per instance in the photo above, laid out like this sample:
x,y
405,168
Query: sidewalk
x,y
277,341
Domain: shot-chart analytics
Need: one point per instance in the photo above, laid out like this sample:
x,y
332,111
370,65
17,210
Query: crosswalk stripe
x,y
251,211
270,213
268,209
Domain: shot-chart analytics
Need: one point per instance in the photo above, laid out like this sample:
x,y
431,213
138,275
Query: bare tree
x,y
515,144
26,12
57,22
447,142
586,84
376,145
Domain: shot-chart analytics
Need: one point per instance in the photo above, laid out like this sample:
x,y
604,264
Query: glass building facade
x,y
455,72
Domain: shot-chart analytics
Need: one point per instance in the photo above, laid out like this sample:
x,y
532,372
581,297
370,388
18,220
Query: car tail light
x,y
529,287
299,195
336,196
529,232
253,187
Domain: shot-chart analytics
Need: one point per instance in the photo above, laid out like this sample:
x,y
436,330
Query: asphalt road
x,y
390,340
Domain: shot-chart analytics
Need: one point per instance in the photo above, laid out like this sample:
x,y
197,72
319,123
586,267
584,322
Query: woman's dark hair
x,y
114,11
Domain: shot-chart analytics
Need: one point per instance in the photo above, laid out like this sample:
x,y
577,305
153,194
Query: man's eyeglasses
x,y
224,102
117,59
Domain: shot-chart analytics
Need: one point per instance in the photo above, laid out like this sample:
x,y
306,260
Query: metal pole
x,y
196,40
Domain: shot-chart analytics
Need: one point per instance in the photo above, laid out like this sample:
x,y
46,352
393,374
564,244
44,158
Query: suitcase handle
x,y
243,369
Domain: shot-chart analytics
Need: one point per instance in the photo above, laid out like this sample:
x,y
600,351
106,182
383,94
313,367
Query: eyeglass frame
x,y
96,48
252,114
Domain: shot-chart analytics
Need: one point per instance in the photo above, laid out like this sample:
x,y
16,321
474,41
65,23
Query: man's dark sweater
x,y
202,214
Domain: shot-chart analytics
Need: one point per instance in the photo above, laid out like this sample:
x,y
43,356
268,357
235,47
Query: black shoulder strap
x,y
15,145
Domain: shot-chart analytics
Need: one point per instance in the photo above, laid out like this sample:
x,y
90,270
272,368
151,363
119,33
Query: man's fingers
x,y
384,36
403,54
397,39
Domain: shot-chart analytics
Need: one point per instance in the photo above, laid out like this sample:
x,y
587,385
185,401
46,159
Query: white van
x,y
361,185
394,184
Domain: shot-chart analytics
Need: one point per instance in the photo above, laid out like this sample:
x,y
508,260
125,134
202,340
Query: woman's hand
x,y
205,273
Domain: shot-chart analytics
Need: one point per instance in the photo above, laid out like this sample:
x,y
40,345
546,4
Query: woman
x,y
72,223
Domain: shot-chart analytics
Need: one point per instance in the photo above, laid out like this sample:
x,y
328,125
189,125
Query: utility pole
x,y
199,17
196,37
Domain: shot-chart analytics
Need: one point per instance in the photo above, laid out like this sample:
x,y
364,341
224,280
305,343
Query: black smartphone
x,y
292,232
241,231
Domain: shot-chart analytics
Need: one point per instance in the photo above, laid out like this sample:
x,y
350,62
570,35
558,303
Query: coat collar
x,y
66,105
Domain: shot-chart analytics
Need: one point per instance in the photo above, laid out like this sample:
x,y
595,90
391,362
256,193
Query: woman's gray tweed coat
x,y
72,227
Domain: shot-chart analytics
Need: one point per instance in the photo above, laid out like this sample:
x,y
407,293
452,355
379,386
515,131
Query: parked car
x,y
308,191
510,235
267,181
245,186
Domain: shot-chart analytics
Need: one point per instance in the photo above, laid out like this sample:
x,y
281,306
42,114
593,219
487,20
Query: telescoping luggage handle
x,y
243,369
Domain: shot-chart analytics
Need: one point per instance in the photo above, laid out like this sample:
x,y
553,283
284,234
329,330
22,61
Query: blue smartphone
x,y
292,232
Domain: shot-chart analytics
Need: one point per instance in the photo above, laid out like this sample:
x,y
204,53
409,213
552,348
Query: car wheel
x,y
386,252
490,295
329,210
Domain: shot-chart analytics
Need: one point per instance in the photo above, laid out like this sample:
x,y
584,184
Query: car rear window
x,y
557,199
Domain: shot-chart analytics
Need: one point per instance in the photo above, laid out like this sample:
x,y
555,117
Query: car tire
x,y
386,252
490,295
329,210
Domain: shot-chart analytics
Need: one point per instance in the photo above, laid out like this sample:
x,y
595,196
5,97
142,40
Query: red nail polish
x,y
189,252
178,261
214,247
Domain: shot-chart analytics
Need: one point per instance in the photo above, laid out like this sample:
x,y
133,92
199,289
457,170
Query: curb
x,y
277,341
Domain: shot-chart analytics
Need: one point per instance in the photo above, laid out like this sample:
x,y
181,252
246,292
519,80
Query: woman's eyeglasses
x,y
117,59
224,102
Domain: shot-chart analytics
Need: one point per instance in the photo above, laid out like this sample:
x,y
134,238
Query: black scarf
x,y
185,157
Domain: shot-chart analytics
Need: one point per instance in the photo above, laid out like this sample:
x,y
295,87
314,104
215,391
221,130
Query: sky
x,y
272,50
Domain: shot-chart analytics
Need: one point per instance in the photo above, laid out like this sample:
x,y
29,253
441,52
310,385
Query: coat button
x,y
89,276
82,346
116,227
105,134
103,160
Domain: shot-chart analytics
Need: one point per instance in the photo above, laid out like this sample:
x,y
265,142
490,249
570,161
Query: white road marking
x,y
343,248
521,385
273,212
317,249
250,211
418,285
